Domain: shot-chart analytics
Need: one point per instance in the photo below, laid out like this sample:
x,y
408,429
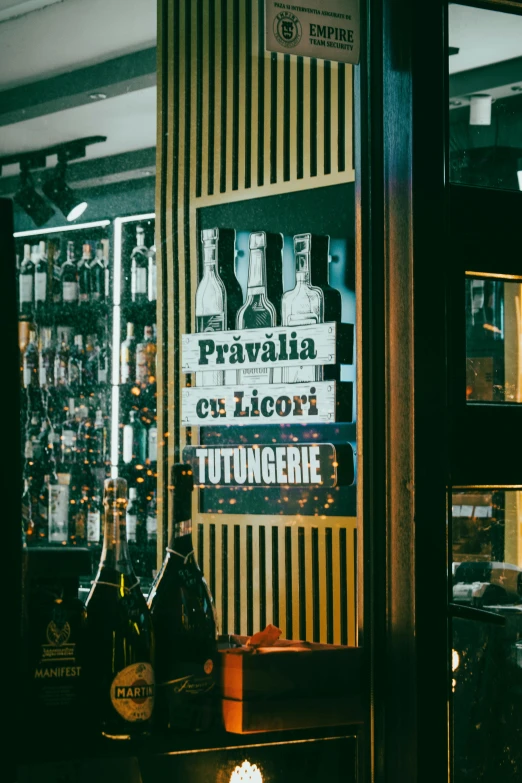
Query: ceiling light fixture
x,y
480,109
28,198
58,191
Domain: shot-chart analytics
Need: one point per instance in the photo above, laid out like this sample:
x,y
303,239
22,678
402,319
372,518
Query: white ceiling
x,y
71,34
483,37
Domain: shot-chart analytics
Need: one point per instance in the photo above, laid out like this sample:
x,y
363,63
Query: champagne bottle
x,y
184,619
120,664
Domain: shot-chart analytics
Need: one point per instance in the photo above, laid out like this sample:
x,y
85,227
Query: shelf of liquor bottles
x,y
87,374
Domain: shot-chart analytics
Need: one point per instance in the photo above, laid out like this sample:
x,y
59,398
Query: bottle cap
x,y
209,234
257,239
115,489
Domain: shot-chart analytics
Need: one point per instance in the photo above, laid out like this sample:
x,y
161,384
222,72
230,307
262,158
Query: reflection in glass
x,y
493,340
486,672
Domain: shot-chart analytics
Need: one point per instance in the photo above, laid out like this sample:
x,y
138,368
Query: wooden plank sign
x,y
280,346
297,465
274,403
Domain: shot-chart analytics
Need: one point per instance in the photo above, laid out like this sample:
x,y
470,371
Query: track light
x,y
31,201
67,200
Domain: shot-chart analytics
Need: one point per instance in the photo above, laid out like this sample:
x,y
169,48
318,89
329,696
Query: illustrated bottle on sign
x,y
120,664
303,305
46,358
41,279
128,356
211,302
69,278
274,272
26,283
30,362
257,311
184,619
320,277
146,358
84,276
227,272
152,280
139,268
97,271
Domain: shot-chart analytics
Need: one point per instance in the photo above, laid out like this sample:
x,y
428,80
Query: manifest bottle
x,y
97,270
257,311
128,356
26,283
184,619
69,278
152,293
139,268
211,302
41,279
84,276
120,664
146,358
304,304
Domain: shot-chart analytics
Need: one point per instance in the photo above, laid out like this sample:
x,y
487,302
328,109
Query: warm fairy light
x,y
455,660
246,773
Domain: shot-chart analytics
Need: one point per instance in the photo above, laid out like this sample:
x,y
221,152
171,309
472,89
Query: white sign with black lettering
x,y
296,403
297,465
326,29
280,346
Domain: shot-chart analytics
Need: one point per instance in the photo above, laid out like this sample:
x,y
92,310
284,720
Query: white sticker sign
x,y
280,346
298,403
326,29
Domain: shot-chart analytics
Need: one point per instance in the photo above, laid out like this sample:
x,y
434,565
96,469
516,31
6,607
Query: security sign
x,y
326,29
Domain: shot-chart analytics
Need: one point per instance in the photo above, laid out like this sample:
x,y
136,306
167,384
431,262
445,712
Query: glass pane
x,y
487,648
493,339
485,108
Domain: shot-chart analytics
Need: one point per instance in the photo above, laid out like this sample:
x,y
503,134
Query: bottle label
x,y
70,292
151,525
93,526
43,371
58,512
68,438
138,281
142,366
153,444
152,282
210,323
40,286
26,288
132,692
131,527
127,443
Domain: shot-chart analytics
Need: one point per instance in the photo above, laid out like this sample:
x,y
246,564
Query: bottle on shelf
x,y
134,441
184,619
146,358
132,515
120,634
41,279
30,362
61,360
128,356
152,293
152,520
139,268
76,366
97,272
26,283
29,509
94,517
46,357
258,310
53,501
211,301
69,278
84,275
303,305
55,260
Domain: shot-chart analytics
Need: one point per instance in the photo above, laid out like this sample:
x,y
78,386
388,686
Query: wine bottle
x,y
41,279
120,663
184,619
26,283
84,276
69,278
30,362
139,268
128,356
146,359
97,270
